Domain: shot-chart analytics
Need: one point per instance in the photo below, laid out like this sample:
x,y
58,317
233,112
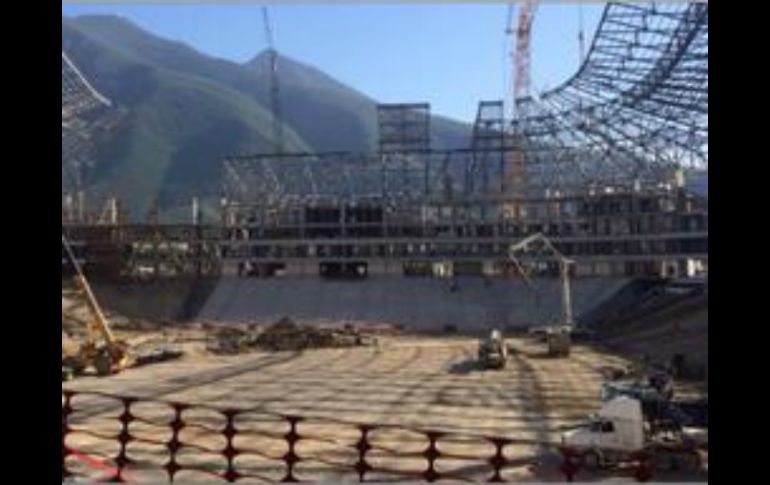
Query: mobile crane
x,y
108,357
558,336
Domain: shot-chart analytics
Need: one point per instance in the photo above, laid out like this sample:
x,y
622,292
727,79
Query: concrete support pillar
x,y
195,215
393,267
488,268
295,268
377,267
81,203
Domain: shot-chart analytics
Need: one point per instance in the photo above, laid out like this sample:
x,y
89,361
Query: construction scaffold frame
x,y
404,127
85,114
634,114
637,106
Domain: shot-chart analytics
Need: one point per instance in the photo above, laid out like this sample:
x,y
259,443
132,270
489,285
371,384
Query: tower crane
x,y
275,93
523,53
521,33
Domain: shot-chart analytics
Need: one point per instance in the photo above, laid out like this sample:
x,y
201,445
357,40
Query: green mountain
x,y
332,116
183,112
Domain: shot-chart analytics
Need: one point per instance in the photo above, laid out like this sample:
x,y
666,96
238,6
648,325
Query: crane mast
x,y
523,53
521,33
275,94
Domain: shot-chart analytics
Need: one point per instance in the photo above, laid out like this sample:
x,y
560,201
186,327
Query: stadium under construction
x,y
323,324
601,164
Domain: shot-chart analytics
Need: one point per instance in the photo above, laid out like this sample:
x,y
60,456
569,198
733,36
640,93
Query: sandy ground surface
x,y
401,385
411,382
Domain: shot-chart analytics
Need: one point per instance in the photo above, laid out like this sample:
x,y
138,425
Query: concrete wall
x,y
422,304
159,300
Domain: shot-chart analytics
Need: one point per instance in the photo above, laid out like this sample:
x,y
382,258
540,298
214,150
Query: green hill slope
x,y
185,111
176,129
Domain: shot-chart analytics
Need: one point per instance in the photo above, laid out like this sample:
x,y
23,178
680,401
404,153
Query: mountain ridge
x,y
186,111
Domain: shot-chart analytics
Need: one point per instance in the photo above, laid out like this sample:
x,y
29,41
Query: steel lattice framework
x,y
83,112
636,109
78,97
306,177
637,106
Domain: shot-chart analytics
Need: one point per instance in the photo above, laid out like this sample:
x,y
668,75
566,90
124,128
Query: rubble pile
x,y
229,340
285,335
288,335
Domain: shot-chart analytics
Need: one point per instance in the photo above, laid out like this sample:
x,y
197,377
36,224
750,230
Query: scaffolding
x,y
85,114
404,127
634,114
636,108
594,163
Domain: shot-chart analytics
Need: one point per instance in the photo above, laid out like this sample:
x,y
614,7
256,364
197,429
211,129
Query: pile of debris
x,y
288,335
230,340
285,335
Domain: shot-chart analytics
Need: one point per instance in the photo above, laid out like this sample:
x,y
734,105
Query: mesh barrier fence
x,y
128,439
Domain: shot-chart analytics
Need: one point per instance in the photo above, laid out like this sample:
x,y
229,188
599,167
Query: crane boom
x,y
99,321
275,93
564,264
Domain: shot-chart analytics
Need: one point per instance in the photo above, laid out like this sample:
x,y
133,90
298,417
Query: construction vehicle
x,y
106,357
616,428
654,386
493,353
559,340
557,337
655,392
618,433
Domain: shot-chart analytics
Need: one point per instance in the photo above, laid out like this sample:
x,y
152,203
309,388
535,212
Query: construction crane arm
x,y
99,319
529,240
564,264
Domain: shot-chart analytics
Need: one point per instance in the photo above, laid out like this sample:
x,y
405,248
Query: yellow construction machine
x,y
106,357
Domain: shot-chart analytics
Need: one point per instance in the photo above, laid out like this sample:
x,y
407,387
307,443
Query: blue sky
x,y
450,55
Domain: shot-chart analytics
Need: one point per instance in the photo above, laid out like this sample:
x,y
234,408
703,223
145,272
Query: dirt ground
x,y
414,382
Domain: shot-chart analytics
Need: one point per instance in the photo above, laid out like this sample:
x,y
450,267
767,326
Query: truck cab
x,y
618,426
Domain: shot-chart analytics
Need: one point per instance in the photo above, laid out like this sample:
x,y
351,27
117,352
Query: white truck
x,y
618,433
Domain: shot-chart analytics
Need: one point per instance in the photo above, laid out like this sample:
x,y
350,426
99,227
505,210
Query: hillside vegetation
x,y
185,111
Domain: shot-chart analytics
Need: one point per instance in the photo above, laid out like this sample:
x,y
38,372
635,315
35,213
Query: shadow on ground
x,y
529,353
466,367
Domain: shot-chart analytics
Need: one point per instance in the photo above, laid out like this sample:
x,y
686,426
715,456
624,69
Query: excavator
x,y
557,337
107,357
